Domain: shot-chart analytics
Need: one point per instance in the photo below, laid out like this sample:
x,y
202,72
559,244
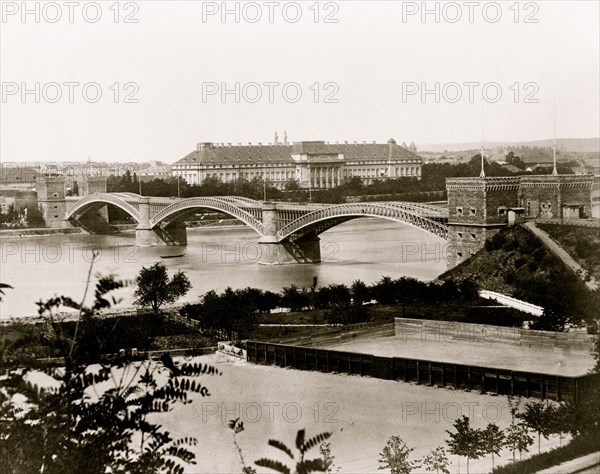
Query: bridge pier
x,y
274,252
175,233
281,253
148,236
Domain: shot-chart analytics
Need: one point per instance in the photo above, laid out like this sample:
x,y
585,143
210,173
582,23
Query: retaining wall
x,y
339,334
458,376
430,330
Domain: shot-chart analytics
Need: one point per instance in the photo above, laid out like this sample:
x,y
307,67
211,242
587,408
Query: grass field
x,y
362,413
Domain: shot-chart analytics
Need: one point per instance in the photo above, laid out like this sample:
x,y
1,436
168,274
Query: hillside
x,y
581,243
516,263
564,144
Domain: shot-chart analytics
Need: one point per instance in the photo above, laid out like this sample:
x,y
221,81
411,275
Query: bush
x,y
580,446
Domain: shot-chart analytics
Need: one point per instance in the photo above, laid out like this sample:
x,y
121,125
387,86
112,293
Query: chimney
x,y
202,145
391,143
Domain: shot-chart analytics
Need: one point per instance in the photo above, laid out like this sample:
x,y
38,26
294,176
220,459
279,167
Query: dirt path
x,y
557,250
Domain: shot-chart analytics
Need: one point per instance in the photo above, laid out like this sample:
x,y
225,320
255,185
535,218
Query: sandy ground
x,y
501,356
361,412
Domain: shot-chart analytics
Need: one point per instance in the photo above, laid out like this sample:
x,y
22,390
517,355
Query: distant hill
x,y
564,144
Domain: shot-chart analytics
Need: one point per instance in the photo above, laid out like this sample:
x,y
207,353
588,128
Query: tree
x,y
492,440
514,160
395,457
35,218
155,289
537,417
360,292
466,441
294,299
384,290
517,436
436,461
302,465
517,439
291,185
231,311
75,188
67,430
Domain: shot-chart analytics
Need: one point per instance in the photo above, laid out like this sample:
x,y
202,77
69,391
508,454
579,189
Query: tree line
x,y
237,310
30,216
542,419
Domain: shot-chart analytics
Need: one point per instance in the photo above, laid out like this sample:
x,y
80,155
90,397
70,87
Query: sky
x,y
148,80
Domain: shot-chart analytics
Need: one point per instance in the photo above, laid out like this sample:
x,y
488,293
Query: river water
x,y
367,249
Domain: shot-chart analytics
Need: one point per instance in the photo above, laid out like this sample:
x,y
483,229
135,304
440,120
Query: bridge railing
x,y
408,215
218,204
108,198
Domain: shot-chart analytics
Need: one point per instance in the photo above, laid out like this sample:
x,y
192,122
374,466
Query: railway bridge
x,y
287,232
477,208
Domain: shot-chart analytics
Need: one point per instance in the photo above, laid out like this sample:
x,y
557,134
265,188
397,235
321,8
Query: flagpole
x,y
482,174
554,170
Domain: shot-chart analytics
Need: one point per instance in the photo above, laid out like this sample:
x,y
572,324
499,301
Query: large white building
x,y
315,164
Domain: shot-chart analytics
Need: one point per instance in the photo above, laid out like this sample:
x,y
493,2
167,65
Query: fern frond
x,y
274,465
316,440
279,445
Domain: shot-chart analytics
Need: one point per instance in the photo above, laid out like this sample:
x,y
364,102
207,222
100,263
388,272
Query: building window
x,y
459,211
473,236
472,211
55,195
459,254
501,211
460,235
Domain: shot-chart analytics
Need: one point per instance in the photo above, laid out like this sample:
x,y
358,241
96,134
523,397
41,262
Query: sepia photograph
x,y
351,237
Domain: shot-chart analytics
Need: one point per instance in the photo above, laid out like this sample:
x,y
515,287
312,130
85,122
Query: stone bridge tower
x,y
51,199
477,209
93,185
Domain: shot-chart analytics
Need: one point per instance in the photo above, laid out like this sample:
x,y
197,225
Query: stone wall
x,y
431,331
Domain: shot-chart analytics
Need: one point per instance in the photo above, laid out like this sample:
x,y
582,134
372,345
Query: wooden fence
x,y
443,374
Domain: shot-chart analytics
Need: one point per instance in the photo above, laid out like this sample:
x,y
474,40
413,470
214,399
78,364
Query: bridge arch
x,y
428,218
87,203
224,205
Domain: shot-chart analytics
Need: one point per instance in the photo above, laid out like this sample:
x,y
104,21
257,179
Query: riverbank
x,y
71,316
126,228
39,232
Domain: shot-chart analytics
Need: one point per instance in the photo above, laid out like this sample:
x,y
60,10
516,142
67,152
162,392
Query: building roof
x,y
17,174
511,168
210,153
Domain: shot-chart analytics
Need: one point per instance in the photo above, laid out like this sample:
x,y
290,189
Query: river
x,y
367,249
